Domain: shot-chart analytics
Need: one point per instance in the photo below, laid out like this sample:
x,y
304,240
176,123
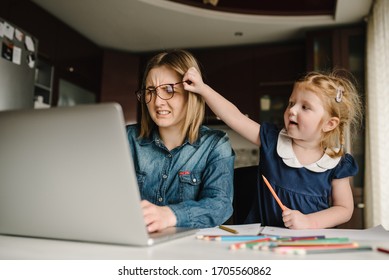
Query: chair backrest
x,y
245,192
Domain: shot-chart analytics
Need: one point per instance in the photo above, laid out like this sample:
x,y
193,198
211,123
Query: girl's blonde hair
x,y
340,99
179,61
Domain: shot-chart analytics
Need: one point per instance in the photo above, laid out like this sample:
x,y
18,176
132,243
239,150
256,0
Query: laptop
x,y
67,173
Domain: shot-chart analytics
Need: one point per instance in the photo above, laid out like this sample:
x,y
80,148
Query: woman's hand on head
x,y
157,217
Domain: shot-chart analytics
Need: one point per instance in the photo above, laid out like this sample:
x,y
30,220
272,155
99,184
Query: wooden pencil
x,y
274,193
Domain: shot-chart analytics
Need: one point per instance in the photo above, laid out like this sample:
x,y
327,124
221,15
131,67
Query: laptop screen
x,y
67,173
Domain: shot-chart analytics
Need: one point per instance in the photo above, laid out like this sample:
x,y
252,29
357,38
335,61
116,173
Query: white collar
x,y
285,151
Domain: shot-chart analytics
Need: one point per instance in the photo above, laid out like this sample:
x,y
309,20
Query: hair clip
x,y
339,94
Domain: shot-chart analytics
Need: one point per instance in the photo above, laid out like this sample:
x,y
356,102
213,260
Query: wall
x,y
58,44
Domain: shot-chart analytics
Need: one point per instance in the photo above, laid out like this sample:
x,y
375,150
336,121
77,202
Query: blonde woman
x,y
184,169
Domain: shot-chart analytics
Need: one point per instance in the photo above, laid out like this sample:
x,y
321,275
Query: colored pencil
x,y
276,248
266,242
273,193
334,242
228,229
325,241
248,244
383,250
295,238
318,246
230,237
295,251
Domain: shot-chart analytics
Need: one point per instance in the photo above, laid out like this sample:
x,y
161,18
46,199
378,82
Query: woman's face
x,y
169,113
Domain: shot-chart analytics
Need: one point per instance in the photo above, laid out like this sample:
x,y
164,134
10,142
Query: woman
x,y
184,169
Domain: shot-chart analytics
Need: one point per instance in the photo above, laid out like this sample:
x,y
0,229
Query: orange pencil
x,y
273,193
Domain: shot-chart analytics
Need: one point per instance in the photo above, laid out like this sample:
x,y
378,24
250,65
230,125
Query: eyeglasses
x,y
165,92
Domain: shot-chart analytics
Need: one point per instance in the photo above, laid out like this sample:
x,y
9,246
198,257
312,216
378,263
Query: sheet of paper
x,y
377,233
19,35
17,55
8,30
248,229
1,29
29,44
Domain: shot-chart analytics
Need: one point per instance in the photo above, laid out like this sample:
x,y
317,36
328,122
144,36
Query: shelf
x,y
43,87
43,84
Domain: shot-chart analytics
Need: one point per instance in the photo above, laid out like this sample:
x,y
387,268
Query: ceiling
x,y
149,25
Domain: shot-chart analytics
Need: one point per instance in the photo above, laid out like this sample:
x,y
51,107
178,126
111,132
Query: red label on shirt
x,y
184,173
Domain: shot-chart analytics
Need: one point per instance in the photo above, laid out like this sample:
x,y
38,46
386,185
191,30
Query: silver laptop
x,y
67,173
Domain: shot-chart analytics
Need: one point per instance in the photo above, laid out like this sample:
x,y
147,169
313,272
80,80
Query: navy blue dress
x,y
300,188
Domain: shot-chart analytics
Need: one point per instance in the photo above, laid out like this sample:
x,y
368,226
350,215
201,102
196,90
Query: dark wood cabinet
x,y
244,75
230,71
344,48
120,76
277,67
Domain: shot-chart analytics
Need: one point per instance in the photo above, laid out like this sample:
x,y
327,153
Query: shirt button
x,y
160,199
194,180
164,176
169,155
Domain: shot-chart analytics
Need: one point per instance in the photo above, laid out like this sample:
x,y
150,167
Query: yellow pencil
x,y
273,193
228,229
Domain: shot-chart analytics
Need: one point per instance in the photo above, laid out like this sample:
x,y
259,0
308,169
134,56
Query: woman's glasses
x,y
165,92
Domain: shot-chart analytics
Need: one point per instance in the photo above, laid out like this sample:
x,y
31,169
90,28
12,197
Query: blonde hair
x,y
340,99
179,61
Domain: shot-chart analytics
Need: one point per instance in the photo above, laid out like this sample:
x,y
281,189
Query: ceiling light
x,y
212,2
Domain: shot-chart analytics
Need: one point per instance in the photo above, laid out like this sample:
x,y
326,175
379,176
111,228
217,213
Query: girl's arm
x,y
340,212
222,108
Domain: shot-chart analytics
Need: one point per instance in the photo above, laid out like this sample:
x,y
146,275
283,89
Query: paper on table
x,y
247,229
377,233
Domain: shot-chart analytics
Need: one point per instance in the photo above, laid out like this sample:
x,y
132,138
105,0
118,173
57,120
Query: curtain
x,y
377,117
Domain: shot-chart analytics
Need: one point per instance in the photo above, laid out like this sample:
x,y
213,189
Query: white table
x,y
187,248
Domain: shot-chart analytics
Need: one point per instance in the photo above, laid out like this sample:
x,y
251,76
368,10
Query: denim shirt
x,y
194,180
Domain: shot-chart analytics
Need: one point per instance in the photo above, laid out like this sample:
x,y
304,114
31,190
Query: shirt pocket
x,y
189,185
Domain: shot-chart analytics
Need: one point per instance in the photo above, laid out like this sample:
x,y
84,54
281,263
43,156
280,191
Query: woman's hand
x,y
157,217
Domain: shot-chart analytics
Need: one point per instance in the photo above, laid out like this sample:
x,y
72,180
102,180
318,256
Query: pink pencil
x,y
273,193
243,245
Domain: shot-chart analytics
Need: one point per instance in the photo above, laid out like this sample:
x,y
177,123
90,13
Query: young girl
x,y
305,162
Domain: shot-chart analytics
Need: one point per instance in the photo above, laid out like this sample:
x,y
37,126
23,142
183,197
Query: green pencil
x,y
334,240
325,251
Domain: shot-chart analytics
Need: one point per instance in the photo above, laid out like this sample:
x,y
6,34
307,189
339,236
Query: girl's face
x,y
304,117
167,113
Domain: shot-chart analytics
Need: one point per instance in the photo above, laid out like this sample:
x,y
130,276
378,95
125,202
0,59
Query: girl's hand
x,y
193,81
294,219
157,217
